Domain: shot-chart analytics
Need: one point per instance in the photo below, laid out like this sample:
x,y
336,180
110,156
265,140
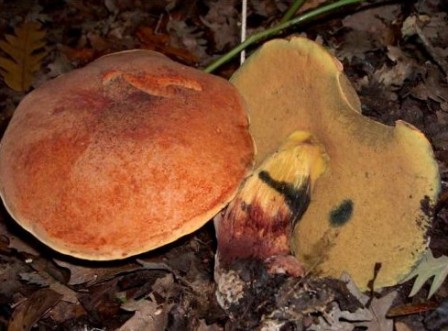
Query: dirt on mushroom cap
x,y
124,155
378,176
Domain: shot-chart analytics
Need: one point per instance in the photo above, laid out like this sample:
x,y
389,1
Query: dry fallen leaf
x,y
64,311
203,326
10,269
379,308
337,320
222,19
432,87
147,316
25,53
431,31
368,30
88,275
429,267
187,38
167,44
44,277
15,242
400,326
393,77
377,311
31,310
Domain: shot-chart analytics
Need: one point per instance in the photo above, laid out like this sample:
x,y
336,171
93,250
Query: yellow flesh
x,y
258,222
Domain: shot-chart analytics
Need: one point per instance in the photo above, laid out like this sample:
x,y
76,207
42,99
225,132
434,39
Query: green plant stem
x,y
292,11
276,29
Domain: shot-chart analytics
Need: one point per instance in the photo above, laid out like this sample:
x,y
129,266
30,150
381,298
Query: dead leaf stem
x,y
312,14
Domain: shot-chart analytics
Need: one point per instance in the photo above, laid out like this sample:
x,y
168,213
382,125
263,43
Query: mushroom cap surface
x,y
124,155
373,203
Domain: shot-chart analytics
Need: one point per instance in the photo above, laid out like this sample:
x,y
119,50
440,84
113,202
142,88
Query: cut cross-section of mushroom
x,y
372,206
124,156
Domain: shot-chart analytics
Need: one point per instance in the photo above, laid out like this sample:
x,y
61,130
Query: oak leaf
x,y
25,53
429,267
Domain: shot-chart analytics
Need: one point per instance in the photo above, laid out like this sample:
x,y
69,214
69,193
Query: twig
x,y
243,28
292,11
276,29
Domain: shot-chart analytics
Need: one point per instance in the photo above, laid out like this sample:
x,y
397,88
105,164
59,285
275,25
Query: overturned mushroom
x,y
372,205
123,156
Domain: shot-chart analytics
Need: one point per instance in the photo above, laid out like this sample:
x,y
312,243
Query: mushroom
x,y
255,229
373,204
257,223
124,155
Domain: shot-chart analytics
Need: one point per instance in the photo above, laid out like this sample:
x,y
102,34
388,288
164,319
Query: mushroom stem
x,y
259,221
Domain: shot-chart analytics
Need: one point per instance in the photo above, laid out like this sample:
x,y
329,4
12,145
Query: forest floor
x,y
395,53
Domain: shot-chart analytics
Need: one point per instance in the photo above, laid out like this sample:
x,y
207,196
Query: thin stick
x,y
292,10
243,28
276,29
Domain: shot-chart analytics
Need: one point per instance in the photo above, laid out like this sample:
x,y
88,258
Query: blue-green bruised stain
x,y
341,214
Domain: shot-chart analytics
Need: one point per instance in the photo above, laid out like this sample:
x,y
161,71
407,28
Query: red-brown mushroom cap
x,y
124,156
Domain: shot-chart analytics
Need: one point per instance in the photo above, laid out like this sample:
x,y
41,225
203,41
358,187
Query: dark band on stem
x,y
297,198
